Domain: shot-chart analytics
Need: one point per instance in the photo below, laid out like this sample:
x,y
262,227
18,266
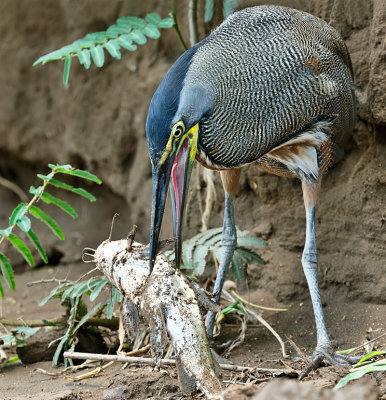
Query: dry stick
x,y
297,349
274,333
192,15
14,188
35,323
165,362
53,280
364,344
256,305
210,198
225,293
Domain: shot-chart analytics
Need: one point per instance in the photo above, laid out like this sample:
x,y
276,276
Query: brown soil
x,y
98,124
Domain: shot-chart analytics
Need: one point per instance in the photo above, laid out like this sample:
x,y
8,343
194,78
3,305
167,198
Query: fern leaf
x,y
35,240
137,36
116,30
98,55
59,349
80,289
131,22
75,172
126,42
66,71
166,23
51,223
84,58
6,232
229,7
98,288
209,4
153,19
54,292
17,213
249,241
67,167
113,298
151,31
81,192
63,205
204,237
1,290
84,319
249,256
97,37
199,256
112,46
7,271
24,223
237,266
21,247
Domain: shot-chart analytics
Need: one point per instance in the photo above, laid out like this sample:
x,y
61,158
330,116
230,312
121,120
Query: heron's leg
x,y
323,351
229,240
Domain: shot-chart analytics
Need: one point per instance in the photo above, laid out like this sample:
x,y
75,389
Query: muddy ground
x,y
97,123
350,324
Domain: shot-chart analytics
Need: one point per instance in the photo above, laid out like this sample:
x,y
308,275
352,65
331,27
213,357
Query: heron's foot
x,y
325,355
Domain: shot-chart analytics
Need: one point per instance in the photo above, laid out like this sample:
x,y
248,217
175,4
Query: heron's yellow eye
x,y
178,130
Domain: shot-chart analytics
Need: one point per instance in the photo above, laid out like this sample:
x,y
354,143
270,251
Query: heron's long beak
x,y
179,166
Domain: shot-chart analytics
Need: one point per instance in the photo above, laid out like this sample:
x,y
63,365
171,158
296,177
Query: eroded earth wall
x,y
98,123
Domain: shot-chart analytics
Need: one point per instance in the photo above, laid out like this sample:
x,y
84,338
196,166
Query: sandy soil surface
x,y
350,324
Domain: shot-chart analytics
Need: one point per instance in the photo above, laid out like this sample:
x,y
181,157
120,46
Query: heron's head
x,y
172,130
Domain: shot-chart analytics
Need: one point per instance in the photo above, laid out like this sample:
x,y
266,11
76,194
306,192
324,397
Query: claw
x,y
326,355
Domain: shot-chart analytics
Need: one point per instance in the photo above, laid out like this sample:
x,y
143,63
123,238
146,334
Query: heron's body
x,y
270,86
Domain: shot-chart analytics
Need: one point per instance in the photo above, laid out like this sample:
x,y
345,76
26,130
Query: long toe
x,y
327,356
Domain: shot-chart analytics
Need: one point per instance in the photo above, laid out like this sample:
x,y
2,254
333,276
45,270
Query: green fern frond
x,y
209,5
126,33
229,7
19,217
196,249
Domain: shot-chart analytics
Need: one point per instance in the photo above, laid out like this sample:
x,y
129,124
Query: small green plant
x,y
229,7
364,366
18,336
126,34
20,218
70,295
196,249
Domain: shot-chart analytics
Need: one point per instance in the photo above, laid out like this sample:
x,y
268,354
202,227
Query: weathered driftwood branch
x,y
166,362
170,304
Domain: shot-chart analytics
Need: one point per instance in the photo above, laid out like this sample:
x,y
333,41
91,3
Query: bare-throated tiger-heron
x,y
271,86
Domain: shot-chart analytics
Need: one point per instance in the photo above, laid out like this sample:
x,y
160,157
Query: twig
x,y
142,350
130,237
34,323
192,16
274,333
256,305
116,215
210,198
230,298
58,281
362,345
14,188
178,32
297,349
165,362
45,372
